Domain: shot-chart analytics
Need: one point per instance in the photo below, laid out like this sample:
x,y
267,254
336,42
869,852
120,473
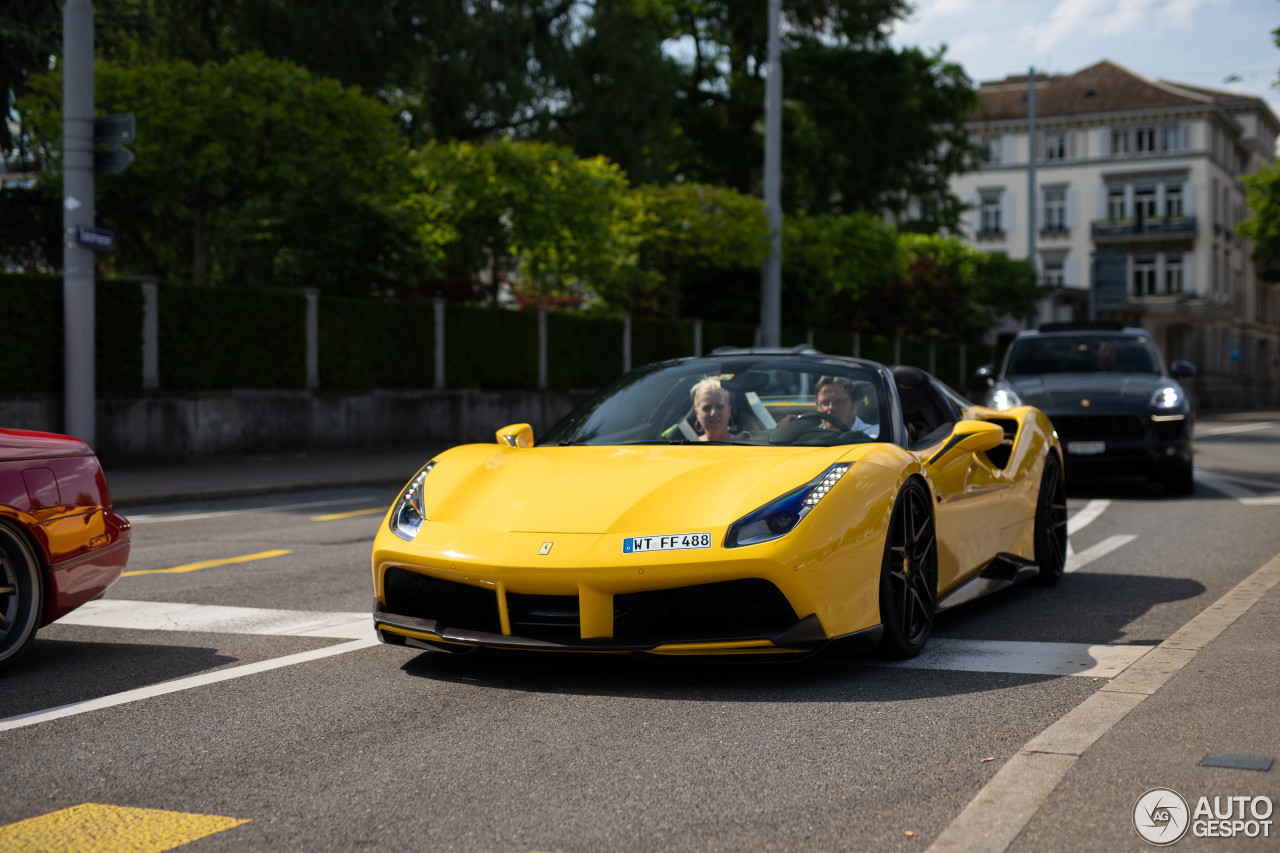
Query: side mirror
x,y
1182,369
516,435
968,437
985,375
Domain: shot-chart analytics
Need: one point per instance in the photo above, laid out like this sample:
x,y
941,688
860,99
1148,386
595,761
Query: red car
x,y
61,543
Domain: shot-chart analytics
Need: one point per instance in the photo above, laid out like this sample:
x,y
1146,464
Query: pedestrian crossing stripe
x,y
110,829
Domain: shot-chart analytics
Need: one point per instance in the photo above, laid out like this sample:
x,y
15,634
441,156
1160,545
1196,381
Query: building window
x,y
1144,202
1055,146
1053,274
1120,142
1173,201
1115,204
1145,140
1144,275
991,215
993,150
1055,210
1173,274
1171,137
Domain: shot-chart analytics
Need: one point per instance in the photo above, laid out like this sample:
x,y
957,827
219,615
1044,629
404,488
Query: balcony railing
x,y
1143,227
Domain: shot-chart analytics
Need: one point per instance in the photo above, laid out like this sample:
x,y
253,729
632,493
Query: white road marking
x,y
1079,560
1029,658
1084,517
1002,809
36,717
1201,433
197,516
220,619
1228,486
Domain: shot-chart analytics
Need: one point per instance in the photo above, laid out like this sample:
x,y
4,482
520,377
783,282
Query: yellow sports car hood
x,y
615,489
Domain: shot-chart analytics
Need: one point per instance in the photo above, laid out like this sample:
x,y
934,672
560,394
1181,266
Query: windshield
x,y
1084,353
751,400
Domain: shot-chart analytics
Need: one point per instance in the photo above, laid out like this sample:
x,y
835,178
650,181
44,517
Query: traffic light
x,y
110,135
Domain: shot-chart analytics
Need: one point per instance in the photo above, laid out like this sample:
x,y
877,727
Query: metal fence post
x,y
857,344
439,365
626,343
933,357
697,338
150,335
313,337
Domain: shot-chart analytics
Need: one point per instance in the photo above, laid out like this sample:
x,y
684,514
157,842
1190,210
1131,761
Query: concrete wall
x,y
164,426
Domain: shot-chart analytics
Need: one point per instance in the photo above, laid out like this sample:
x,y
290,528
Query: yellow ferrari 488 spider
x,y
747,503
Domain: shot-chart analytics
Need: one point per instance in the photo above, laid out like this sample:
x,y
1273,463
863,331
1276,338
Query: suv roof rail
x,y
1084,326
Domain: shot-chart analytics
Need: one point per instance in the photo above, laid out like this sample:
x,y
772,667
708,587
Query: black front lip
x,y
805,635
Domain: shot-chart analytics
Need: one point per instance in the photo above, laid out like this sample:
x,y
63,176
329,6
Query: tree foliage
x,y
1262,227
252,170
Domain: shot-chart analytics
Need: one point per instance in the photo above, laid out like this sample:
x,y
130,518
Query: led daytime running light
x,y
408,515
778,517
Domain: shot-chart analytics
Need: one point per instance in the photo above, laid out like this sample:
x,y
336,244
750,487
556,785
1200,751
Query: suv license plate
x,y
1086,448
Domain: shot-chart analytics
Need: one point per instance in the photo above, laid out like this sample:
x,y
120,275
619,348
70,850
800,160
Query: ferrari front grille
x,y
454,605
545,617
1099,427
751,607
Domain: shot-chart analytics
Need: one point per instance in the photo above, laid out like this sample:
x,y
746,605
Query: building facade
x,y
1135,209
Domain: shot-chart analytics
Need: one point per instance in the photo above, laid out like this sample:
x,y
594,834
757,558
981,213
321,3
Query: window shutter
x,y
975,214
1188,199
1071,207
1184,135
1189,273
1102,201
1006,211
1069,278
1071,144
1006,149
1104,142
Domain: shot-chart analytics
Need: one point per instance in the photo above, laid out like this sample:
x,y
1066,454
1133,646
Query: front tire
x,y
21,595
909,574
1051,523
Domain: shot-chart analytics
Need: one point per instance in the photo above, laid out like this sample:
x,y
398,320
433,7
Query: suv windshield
x,y
1082,353
751,400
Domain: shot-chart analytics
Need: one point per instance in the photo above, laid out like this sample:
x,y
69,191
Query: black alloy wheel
x,y
1051,523
21,595
909,576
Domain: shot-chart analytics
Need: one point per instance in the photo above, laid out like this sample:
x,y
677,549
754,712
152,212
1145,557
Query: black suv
x,y
1117,411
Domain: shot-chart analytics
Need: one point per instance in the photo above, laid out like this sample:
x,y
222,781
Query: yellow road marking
x,y
334,516
208,564
110,829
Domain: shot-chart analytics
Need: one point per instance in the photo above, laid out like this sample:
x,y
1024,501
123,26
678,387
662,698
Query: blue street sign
x,y
1234,354
95,238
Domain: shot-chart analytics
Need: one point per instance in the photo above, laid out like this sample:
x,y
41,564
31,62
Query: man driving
x,y
841,398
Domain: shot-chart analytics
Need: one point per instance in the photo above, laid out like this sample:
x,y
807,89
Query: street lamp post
x,y
77,211
771,285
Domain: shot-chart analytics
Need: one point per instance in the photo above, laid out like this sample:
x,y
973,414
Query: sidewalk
x,y
246,477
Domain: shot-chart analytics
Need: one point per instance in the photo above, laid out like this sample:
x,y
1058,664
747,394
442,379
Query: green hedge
x,y
32,356
582,352
366,344
232,338
490,348
658,340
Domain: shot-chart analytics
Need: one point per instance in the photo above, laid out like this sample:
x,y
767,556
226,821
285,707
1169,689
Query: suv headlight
x,y
407,517
1167,397
779,517
1003,397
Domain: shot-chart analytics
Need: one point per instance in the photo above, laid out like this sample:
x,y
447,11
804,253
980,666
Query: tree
x,y
252,170
529,214
1262,227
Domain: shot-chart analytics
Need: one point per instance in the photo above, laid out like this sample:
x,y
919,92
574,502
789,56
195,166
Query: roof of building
x,y
1102,87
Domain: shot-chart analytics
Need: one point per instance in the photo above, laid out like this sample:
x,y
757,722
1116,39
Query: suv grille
x,y
1099,427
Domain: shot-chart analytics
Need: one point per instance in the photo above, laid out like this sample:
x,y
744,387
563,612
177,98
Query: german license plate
x,y
671,542
1086,448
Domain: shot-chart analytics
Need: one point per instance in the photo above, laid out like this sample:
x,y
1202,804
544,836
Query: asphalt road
x,y
333,743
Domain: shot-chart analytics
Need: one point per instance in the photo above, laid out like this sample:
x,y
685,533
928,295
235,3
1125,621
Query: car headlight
x,y
408,516
1167,397
1004,397
778,517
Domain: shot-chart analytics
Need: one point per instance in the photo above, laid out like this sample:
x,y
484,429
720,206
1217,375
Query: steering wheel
x,y
829,418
